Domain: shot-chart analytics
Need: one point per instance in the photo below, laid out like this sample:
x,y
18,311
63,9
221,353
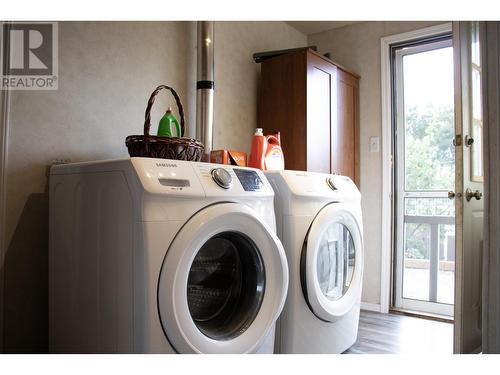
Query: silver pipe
x,y
205,84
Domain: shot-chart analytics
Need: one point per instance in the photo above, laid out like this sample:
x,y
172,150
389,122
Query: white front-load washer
x,y
319,222
163,256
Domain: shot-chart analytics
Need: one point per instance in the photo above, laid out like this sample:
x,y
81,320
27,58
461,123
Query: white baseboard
x,y
370,306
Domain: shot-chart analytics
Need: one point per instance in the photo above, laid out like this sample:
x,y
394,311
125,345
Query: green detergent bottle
x,y
165,127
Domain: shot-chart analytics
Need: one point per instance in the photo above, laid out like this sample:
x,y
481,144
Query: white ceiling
x,y
313,27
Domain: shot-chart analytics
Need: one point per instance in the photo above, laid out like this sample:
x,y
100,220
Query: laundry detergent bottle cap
x,y
165,126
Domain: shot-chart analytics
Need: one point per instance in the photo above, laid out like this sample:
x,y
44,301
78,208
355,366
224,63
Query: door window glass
x,y
425,172
226,285
335,261
476,113
428,120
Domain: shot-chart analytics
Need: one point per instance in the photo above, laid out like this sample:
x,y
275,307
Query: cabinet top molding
x,y
261,57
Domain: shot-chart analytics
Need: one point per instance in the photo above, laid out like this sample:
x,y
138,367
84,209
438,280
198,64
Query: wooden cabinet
x,y
313,102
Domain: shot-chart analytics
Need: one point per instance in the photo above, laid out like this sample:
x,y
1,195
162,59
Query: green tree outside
x,y
429,165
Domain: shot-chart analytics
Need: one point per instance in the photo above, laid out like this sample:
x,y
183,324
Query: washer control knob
x,y
222,177
329,182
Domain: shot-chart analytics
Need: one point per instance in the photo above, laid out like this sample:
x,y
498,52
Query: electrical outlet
x,y
374,144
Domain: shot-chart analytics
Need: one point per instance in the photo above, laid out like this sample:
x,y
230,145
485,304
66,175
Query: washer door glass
x,y
222,283
226,285
335,261
331,265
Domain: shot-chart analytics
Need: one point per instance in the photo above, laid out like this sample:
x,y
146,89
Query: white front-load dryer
x,y
163,256
320,224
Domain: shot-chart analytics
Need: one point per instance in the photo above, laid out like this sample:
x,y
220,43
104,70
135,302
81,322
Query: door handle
x,y
451,195
469,194
457,140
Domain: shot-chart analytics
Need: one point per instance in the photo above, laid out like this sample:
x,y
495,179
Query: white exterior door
x,y
467,40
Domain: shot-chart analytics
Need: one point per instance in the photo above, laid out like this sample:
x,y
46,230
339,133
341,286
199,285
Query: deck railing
x,y
434,222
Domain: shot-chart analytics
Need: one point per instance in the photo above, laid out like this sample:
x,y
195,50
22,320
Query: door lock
x,y
469,194
468,141
451,195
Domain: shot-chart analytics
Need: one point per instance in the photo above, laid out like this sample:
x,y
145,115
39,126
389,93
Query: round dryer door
x,y
223,282
332,263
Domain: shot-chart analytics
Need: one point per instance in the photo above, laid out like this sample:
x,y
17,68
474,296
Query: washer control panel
x,y
313,184
249,179
220,180
184,178
222,177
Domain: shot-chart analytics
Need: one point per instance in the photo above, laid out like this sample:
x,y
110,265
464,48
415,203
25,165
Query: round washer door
x,y
332,263
223,282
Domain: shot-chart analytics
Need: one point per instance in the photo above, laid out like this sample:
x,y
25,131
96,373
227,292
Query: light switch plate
x,y
374,144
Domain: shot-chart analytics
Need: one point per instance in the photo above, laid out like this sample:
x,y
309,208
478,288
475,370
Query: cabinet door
x,y
283,105
321,112
345,132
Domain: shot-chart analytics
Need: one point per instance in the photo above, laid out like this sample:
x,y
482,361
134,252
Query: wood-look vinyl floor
x,y
398,334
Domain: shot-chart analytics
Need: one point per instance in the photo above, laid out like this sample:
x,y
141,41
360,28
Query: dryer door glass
x,y
226,285
335,261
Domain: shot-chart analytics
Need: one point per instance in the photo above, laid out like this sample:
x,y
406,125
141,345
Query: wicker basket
x,y
179,148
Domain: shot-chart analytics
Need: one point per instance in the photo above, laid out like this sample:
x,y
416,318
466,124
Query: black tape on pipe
x,y
205,85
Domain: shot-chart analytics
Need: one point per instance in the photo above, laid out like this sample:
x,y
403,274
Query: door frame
x,y
401,194
386,258
4,135
490,55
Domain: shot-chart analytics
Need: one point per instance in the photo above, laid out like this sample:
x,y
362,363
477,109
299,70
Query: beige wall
x,y
237,76
357,47
107,71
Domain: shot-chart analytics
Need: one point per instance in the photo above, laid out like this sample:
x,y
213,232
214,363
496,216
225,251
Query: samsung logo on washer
x,y
166,165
